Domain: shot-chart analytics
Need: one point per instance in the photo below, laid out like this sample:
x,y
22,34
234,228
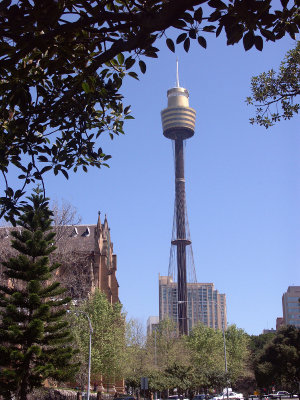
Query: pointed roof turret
x,y
99,222
105,223
98,229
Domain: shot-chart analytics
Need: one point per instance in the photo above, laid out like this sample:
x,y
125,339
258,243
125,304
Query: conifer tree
x,y
35,342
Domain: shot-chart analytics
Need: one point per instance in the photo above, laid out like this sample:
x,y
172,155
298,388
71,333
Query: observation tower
x,y
178,122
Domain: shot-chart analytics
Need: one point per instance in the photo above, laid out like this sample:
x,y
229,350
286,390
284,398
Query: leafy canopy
x,y
62,64
187,362
108,338
274,94
279,361
207,353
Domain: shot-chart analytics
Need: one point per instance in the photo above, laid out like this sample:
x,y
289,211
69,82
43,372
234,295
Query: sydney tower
x,y
178,122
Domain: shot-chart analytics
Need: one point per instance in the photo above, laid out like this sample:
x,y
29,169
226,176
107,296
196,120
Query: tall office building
x,y
291,306
204,304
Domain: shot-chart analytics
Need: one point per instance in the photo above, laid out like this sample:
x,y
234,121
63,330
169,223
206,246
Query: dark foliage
x,y
62,64
279,362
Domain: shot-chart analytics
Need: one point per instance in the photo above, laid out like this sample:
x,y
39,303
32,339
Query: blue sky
x,y
242,184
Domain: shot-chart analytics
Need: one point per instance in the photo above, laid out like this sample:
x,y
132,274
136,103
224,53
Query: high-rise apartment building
x,y
204,303
291,306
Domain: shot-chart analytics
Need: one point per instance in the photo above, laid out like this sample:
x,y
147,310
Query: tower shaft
x,y
181,234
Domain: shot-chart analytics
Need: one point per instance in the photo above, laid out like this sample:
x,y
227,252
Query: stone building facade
x,y
86,255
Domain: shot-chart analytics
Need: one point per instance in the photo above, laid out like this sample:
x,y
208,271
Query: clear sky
x,y
242,184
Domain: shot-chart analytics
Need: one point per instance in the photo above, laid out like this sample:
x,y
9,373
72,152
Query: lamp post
x,y
224,341
90,349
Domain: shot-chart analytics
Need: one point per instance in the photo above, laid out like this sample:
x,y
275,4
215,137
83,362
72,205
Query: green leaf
x,y
129,62
42,158
188,18
181,38
198,15
268,34
219,30
186,44
65,173
292,29
202,41
259,44
215,16
248,40
170,45
151,54
126,110
142,66
133,75
217,4
85,87
120,58
45,169
209,28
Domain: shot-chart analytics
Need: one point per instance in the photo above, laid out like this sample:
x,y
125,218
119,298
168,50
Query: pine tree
x,y
35,341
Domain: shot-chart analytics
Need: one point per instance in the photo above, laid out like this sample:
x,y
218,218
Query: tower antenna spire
x,y
177,74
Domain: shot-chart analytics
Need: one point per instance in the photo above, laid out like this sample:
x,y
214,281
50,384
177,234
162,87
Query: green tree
x,y
274,94
166,353
279,362
135,365
256,346
108,338
62,64
207,356
237,346
180,376
35,341
257,343
169,349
